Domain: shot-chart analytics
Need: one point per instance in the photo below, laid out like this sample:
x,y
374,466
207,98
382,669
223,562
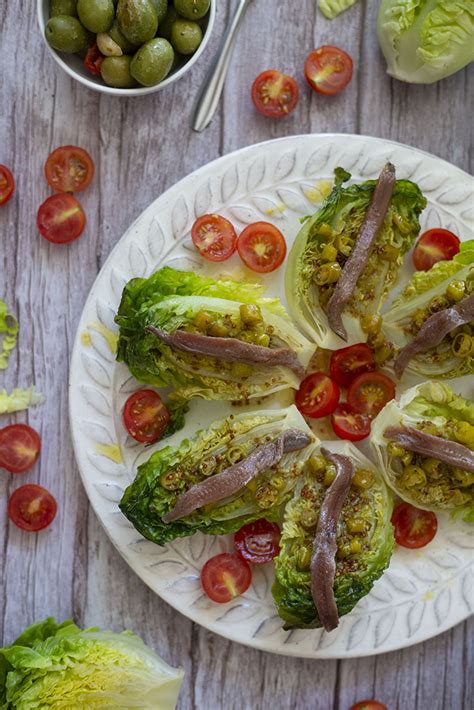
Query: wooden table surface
x,y
141,147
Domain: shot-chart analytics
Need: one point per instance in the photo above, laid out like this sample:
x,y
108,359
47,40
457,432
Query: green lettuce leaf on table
x,y
333,229
61,666
172,470
424,41
8,334
435,408
333,8
357,568
172,300
425,287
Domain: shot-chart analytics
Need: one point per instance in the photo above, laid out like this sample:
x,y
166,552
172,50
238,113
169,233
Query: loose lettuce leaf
x,y
415,297
338,223
170,300
355,574
19,399
60,666
426,40
227,441
333,8
436,408
8,334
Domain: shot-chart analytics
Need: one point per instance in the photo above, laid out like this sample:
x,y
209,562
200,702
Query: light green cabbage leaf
x,y
424,41
447,414
337,223
356,574
19,399
9,331
333,8
172,470
60,666
415,297
170,300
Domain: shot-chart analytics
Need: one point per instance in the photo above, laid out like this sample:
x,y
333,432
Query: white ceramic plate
x,y
423,592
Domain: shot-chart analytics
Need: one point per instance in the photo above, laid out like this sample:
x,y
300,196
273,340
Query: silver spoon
x,y
213,84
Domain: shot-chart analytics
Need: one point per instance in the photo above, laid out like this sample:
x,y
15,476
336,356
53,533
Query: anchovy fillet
x,y
436,447
232,479
359,256
323,561
230,349
434,330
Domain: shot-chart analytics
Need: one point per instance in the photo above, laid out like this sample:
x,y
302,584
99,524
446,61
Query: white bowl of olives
x,y
126,47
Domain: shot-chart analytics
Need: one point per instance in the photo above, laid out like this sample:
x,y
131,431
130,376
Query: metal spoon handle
x,y
213,84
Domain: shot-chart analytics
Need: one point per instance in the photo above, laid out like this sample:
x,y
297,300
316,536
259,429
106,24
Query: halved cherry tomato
x,y
225,577
347,363
350,425
93,59
61,219
258,542
145,416
433,246
214,237
370,392
275,94
7,185
328,69
262,247
368,705
20,447
317,396
413,527
69,169
32,508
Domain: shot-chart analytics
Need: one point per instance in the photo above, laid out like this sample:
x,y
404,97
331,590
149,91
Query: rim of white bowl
x,y
42,6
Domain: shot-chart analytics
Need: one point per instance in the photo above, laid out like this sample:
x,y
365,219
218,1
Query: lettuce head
x,y
62,667
8,334
426,40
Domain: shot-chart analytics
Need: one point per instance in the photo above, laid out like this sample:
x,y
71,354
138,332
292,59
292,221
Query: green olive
x,y
462,345
344,244
171,480
263,339
407,458
161,8
465,433
325,230
303,559
308,519
250,314
116,34
413,477
96,15
208,466
186,36
63,7
430,466
241,369
329,475
66,34
456,290
328,273
202,320
395,449
355,547
115,71
329,253
464,477
363,478
217,330
166,25
389,253
316,464
138,21
192,9
356,525
107,46
371,323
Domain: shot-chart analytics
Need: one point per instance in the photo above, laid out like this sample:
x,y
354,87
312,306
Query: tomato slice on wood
x,y
214,237
61,219
7,185
258,542
368,705
413,527
20,447
225,577
370,392
328,69
317,396
275,94
69,169
93,59
32,508
350,425
433,246
262,247
347,363
145,416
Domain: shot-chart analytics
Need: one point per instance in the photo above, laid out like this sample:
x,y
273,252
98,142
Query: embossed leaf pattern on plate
x,y
416,598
